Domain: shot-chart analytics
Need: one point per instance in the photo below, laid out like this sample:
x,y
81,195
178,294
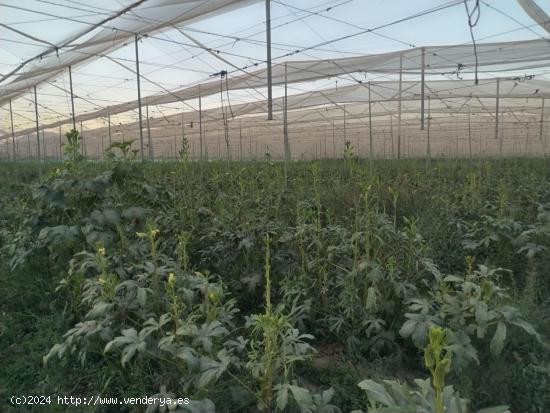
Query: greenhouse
x,y
319,206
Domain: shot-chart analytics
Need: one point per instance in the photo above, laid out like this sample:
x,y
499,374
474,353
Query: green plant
x,y
274,349
72,149
438,361
391,396
471,308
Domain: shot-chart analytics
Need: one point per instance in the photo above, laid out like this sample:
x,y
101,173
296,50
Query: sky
x,y
295,25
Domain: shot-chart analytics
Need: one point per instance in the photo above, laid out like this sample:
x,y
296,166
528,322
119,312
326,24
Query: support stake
x,y
200,122
269,71
72,97
371,155
399,107
13,132
422,88
541,119
149,134
285,131
139,100
37,128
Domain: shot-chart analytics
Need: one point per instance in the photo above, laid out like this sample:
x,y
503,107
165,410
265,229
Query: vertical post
x,y
182,130
501,132
102,146
469,132
541,119
370,129
285,117
149,134
429,147
37,128
83,149
44,154
240,140
399,107
391,136
139,98
422,88
60,145
109,126
285,130
345,134
333,142
200,122
28,146
269,72
72,97
13,132
497,109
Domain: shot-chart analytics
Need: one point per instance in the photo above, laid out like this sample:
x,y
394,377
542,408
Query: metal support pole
x,y
285,131
83,149
60,144
13,132
429,147
182,130
422,88
109,126
333,142
469,132
37,128
497,114
269,71
391,136
139,99
399,107
371,155
345,131
72,97
200,122
240,140
149,134
541,119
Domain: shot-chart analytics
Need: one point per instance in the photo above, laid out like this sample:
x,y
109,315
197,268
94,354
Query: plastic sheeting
x,y
454,59
149,16
440,92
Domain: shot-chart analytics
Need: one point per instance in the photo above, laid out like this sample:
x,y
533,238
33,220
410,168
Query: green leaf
x,y
58,349
99,309
303,398
528,328
408,328
497,342
142,296
376,392
282,396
